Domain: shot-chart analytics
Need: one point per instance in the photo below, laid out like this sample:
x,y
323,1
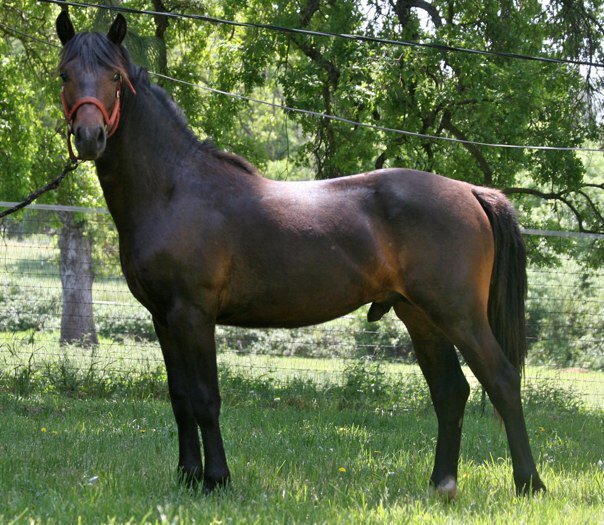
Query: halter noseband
x,y
111,121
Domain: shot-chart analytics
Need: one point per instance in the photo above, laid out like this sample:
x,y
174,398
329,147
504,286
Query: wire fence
x,y
359,38
565,311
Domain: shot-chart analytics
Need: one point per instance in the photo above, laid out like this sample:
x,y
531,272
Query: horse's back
x,y
418,210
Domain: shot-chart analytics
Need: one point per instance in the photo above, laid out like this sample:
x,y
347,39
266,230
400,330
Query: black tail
x,y
508,281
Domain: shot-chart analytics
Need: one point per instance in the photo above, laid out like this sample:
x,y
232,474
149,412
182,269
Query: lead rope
x,y
69,167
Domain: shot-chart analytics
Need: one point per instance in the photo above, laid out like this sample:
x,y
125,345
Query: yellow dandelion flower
x,y
342,469
43,429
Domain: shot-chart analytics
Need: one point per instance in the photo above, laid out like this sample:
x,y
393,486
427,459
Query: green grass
x,y
106,461
354,450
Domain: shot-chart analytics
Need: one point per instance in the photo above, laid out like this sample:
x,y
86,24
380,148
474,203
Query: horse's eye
x,y
117,77
64,77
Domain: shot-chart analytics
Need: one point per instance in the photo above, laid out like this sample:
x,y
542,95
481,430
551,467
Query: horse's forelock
x,y
94,50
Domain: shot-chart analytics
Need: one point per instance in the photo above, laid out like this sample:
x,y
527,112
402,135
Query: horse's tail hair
x,y
508,287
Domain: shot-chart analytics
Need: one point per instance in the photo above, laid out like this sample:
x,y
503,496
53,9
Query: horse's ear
x,y
118,29
65,28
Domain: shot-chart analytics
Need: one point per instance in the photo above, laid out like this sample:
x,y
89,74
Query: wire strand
x,y
16,32
374,126
309,32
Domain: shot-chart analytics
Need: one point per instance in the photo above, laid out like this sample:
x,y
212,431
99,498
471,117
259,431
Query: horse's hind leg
x,y
464,322
501,380
448,388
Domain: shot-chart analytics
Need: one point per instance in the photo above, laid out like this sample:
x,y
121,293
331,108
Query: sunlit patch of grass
x,y
85,441
297,454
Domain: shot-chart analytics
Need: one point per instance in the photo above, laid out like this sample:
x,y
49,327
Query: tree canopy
x,y
474,97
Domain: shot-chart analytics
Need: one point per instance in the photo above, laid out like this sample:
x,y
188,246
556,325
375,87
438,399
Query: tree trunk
x,y
77,320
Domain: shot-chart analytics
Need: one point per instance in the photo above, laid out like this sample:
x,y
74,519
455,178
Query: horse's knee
x,y
179,398
206,405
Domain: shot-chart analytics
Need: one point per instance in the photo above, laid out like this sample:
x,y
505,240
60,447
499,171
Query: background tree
x,y
427,90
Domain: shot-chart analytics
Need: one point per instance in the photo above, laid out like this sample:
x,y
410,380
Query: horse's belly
x,y
282,316
290,303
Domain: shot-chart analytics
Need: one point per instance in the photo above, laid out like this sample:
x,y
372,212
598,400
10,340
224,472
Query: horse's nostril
x,y
78,134
100,135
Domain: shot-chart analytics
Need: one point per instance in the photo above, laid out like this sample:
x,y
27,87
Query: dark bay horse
x,y
204,239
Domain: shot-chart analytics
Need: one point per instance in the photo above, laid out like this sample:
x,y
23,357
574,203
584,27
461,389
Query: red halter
x,y
111,121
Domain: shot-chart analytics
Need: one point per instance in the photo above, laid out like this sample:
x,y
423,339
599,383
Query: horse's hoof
x,y
447,488
528,488
210,484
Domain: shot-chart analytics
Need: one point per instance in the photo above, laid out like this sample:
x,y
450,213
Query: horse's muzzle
x,y
90,141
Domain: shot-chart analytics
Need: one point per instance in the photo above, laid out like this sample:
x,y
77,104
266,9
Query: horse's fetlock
x,y
446,488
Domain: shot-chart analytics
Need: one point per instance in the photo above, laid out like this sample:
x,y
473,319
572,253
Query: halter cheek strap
x,y
111,121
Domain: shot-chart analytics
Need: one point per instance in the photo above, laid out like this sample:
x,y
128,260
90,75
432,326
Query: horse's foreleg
x,y
449,391
193,334
189,455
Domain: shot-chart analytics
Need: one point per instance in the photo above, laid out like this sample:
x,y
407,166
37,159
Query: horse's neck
x,y
142,160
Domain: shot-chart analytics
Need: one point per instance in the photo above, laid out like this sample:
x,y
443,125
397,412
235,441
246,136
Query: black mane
x,y
141,78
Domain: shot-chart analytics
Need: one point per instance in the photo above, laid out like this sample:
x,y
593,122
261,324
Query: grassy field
x,y
359,449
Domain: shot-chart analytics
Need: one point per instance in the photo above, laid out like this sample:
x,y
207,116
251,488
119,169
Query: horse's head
x,y
93,69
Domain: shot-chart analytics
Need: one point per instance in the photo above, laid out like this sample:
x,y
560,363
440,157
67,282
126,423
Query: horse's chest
x,y
135,279
161,273
142,276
